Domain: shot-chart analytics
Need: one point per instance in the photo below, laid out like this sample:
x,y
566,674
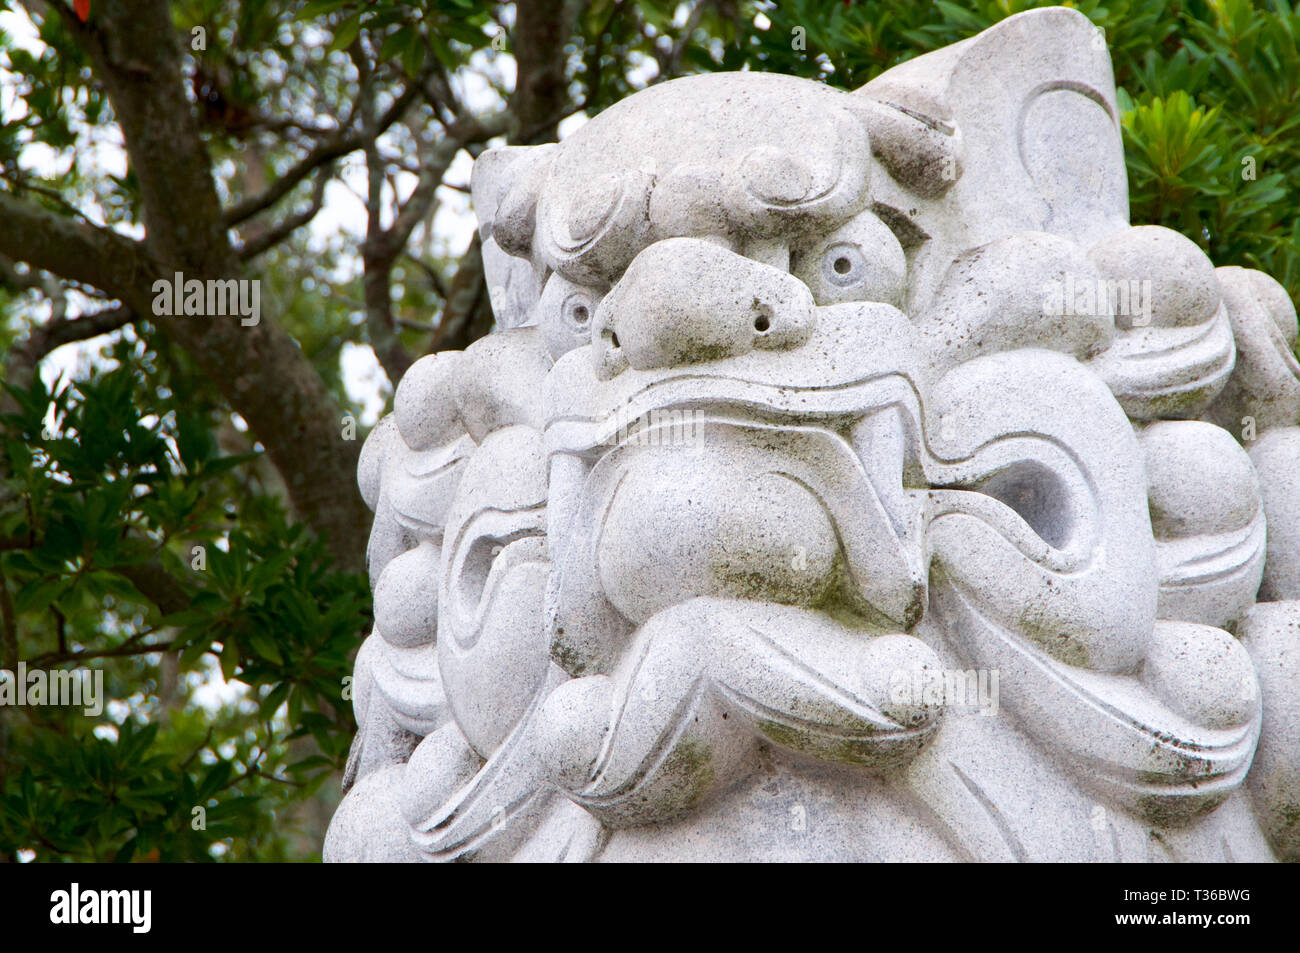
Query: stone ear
x,y
1033,97
505,186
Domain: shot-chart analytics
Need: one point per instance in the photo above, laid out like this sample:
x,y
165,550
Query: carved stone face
x,y
660,249
795,413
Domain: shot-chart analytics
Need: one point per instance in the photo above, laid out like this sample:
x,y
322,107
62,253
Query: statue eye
x,y
577,310
844,265
859,261
565,312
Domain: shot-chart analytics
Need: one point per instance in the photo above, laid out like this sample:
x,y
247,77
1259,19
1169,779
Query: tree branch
x,y
326,152
77,251
456,330
542,28
157,585
54,335
8,625
272,237
123,651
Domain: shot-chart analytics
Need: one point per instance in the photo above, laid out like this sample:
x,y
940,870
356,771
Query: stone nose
x,y
688,300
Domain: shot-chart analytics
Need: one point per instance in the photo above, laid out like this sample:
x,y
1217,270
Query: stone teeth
x,y
880,442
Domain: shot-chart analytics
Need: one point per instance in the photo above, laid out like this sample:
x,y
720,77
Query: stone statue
x,y
847,479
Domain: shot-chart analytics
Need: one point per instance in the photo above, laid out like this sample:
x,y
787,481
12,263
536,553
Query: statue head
x,y
803,401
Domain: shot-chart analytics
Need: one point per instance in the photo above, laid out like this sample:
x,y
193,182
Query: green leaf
x,y
229,657
318,8
345,33
214,780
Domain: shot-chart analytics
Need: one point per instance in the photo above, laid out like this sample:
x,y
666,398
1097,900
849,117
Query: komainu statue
x,y
847,479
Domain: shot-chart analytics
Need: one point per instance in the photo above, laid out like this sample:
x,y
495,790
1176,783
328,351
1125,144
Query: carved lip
x,y
1155,363
1112,722
423,485
1193,562
408,680
719,397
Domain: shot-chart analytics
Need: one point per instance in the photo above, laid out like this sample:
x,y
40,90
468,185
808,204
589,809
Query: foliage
x,y
121,479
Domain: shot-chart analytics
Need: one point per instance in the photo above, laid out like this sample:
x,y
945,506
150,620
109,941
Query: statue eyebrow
x,y
938,125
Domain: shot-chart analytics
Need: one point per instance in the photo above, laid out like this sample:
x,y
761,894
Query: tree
x,y
188,502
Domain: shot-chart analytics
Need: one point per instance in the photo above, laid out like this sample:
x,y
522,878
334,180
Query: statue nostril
x,y
610,338
761,323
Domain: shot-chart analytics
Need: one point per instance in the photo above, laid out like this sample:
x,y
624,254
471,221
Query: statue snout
x,y
689,301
